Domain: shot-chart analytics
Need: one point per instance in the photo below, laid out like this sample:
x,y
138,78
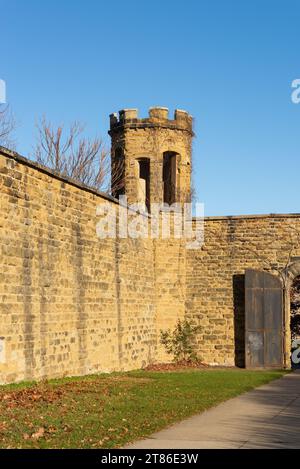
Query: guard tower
x,y
151,157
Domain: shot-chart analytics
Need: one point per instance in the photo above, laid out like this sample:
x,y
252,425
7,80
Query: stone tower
x,y
151,157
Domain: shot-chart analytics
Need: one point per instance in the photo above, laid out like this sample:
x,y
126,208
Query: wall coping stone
x,y
249,217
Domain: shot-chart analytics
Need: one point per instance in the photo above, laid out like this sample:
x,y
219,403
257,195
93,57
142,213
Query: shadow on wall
x,y
238,283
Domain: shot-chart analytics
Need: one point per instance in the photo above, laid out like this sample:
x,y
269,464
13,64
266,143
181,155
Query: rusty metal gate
x,y
263,320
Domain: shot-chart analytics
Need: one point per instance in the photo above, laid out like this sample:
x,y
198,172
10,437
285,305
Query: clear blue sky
x,y
229,63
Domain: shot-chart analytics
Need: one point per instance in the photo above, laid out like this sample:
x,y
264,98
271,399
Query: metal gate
x,y
263,320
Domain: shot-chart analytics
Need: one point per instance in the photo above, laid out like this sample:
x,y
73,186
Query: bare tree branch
x,y
70,154
7,126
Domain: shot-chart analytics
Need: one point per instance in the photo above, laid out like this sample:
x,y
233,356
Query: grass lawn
x,y
110,410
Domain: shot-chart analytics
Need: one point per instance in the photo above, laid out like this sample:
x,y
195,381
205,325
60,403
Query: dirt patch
x,y
182,365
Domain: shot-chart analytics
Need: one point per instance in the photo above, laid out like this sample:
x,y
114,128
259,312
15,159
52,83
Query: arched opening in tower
x,y
295,323
169,177
144,182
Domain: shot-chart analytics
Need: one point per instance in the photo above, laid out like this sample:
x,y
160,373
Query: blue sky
x,y
229,63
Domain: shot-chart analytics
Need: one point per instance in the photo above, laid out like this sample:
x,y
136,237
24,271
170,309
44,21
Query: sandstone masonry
x,y
73,304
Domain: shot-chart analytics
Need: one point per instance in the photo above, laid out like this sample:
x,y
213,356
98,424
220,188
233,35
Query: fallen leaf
x,y
38,434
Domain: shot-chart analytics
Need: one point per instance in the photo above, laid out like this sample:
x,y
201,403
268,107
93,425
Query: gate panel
x,y
264,320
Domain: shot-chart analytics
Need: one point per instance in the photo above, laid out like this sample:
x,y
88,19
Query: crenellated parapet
x,y
158,118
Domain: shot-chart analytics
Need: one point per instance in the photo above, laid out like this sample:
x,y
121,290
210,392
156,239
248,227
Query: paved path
x,y
267,417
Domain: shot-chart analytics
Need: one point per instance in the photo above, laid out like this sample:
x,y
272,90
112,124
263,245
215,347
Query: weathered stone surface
x,y
72,304
215,276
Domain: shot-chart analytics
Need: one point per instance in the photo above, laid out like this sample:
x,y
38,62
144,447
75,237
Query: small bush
x,y
181,341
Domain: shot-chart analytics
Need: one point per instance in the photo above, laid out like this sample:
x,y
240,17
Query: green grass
x,y
110,410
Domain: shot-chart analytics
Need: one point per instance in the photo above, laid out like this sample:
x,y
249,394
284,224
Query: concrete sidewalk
x,y
267,417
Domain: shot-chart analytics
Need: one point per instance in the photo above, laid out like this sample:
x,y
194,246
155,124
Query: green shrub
x,y
181,341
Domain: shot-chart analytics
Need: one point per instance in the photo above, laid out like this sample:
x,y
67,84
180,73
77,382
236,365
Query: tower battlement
x,y
154,154
158,117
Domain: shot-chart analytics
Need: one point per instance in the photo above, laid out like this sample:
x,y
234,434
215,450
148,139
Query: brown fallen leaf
x,y
38,434
3,426
51,429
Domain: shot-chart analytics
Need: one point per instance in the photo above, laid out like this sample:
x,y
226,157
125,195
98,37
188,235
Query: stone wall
x,y
71,303
215,277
